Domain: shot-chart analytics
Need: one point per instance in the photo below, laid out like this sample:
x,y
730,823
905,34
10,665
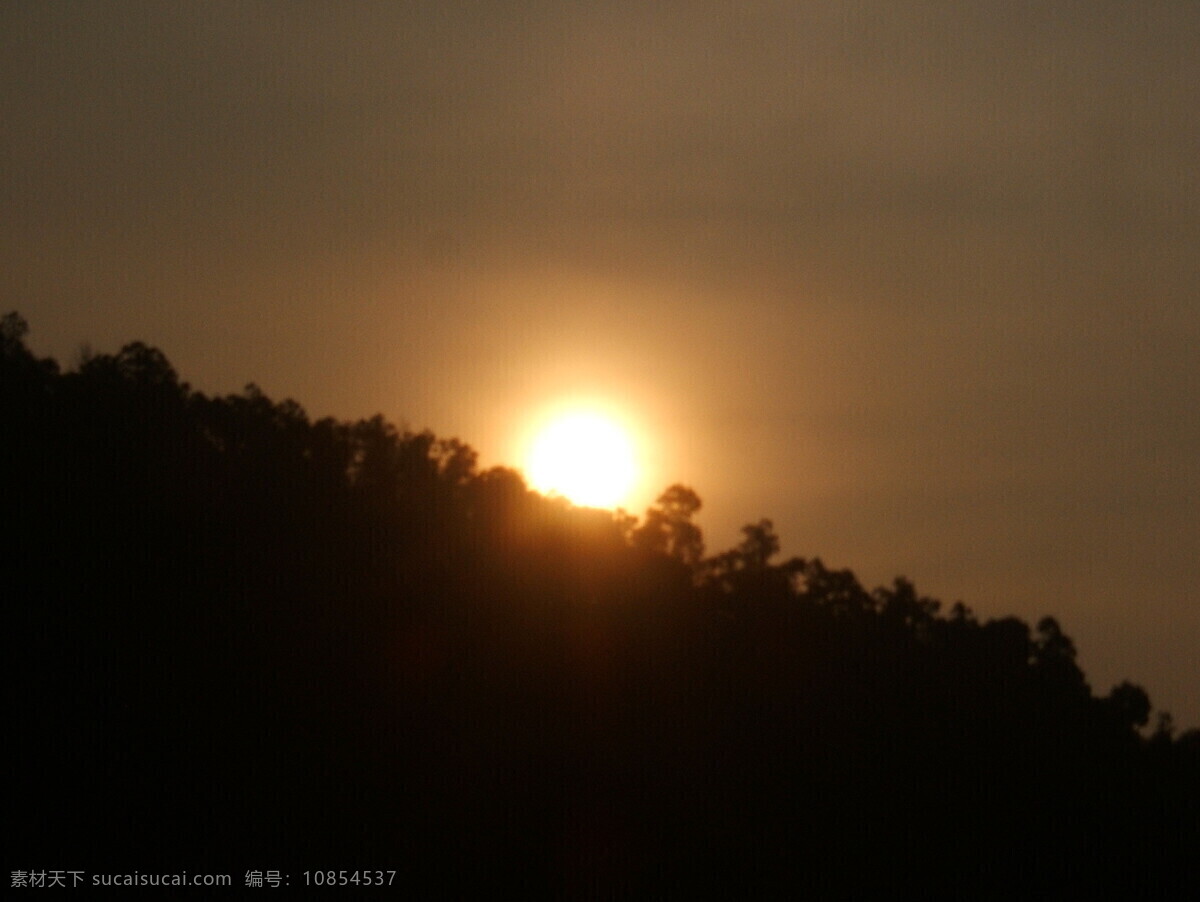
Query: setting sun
x,y
584,456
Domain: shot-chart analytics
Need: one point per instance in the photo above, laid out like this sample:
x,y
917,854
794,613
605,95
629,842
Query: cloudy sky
x,y
920,282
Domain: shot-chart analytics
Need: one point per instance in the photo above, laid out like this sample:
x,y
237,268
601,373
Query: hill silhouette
x,y
244,639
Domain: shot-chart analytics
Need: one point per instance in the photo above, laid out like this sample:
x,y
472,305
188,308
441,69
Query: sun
x,y
586,457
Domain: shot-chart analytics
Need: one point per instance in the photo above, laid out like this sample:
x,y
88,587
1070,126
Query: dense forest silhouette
x,y
242,638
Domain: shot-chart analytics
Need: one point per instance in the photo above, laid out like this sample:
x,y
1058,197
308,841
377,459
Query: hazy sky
x,y
920,282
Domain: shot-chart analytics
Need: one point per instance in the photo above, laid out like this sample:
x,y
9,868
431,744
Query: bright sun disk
x,y
585,457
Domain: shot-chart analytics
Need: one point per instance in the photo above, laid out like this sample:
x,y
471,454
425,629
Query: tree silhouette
x,y
239,633
668,528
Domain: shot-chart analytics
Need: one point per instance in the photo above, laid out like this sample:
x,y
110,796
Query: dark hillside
x,y
243,639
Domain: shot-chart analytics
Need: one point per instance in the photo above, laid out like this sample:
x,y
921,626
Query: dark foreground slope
x,y
241,639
